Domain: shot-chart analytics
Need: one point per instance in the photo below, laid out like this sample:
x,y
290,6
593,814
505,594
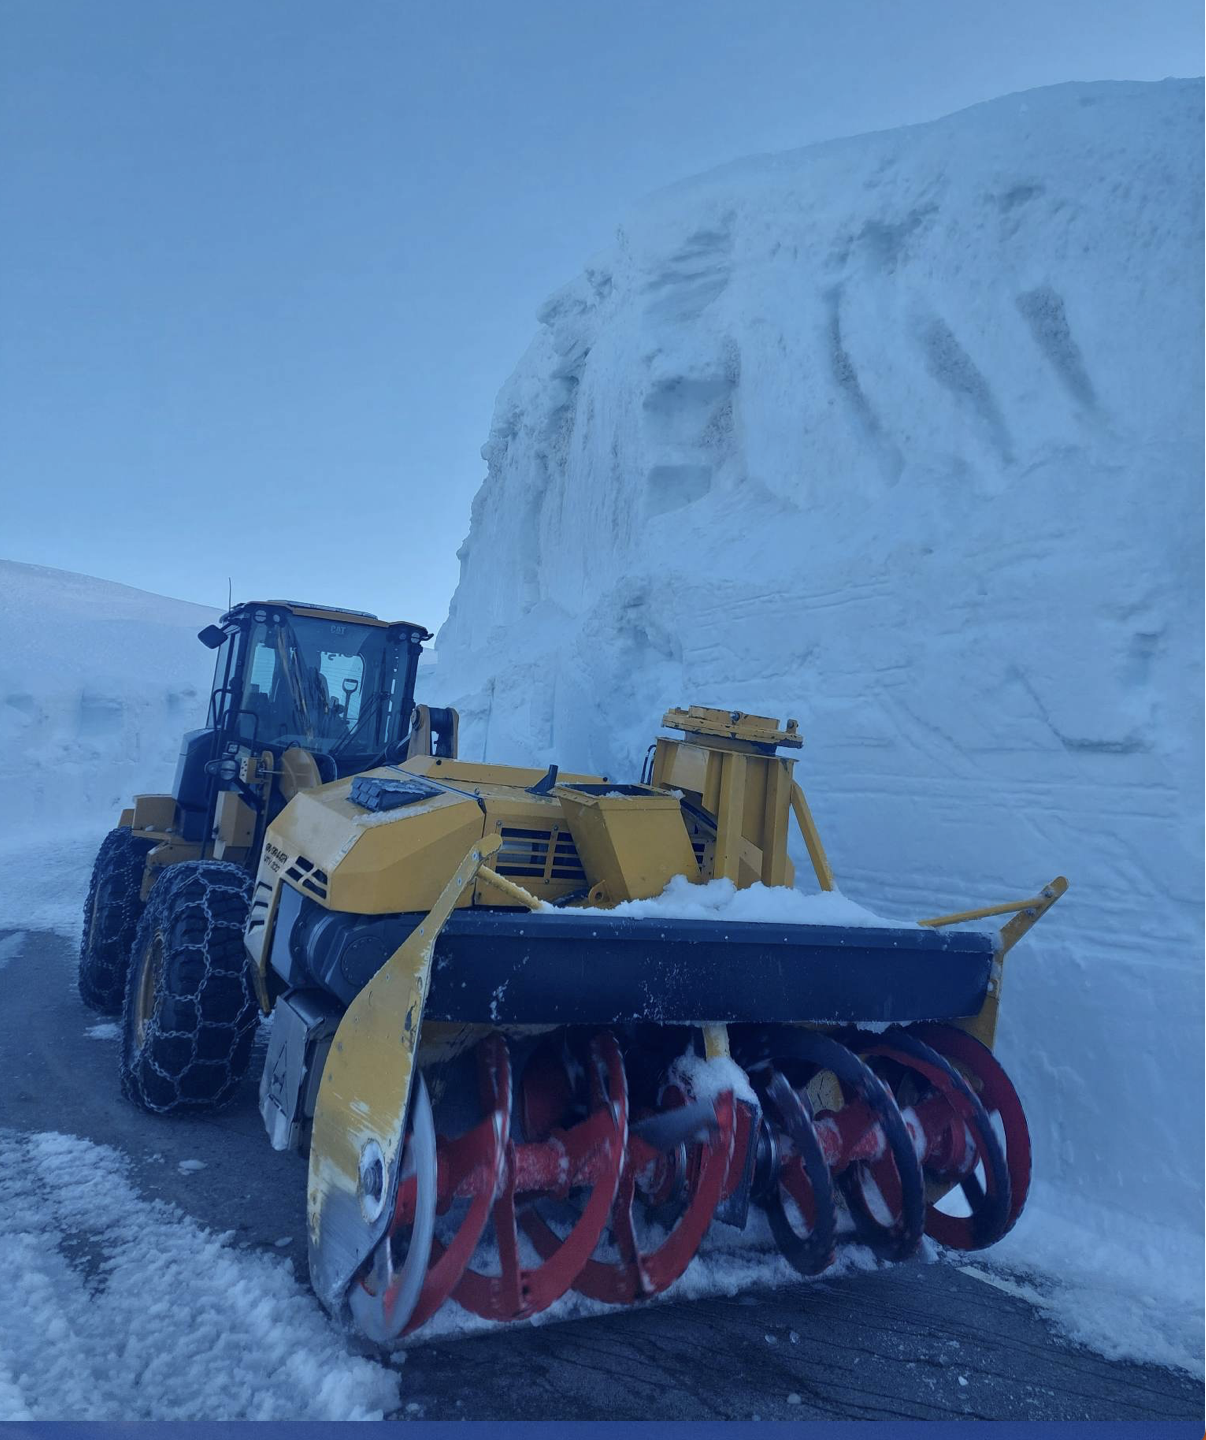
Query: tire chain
x,y
199,1064
111,914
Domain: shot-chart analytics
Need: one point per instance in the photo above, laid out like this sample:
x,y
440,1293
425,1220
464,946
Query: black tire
x,y
111,915
190,1005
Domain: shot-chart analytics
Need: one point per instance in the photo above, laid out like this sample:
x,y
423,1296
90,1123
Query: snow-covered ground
x,y
120,1308
901,435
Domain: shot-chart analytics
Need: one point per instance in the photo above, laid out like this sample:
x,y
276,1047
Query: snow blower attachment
x,y
510,1089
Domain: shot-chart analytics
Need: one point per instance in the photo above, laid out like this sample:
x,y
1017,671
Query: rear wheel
x,y
190,1004
111,915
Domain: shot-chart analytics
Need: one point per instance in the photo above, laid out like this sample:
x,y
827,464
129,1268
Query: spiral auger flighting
x,y
590,1163
659,1171
954,1076
568,1182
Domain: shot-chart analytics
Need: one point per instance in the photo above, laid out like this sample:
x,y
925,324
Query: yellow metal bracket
x,y
360,1112
1028,914
1025,914
733,725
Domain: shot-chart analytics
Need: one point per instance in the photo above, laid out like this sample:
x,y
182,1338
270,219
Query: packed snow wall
x,y
901,435
98,684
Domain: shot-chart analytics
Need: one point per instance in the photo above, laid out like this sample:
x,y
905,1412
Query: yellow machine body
x,y
572,838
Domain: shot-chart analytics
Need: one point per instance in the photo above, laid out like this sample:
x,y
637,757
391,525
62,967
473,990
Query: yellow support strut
x,y
1033,908
812,838
1025,914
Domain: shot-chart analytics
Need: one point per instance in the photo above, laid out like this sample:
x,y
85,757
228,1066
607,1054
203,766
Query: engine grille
x,y
548,855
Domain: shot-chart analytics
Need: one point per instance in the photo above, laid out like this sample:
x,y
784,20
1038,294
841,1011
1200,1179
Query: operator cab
x,y
330,690
337,683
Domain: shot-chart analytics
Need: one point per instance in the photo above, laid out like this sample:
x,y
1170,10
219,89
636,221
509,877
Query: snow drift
x,y
901,435
98,682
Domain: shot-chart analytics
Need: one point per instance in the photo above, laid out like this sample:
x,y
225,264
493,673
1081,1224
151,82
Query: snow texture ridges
x,y
119,1308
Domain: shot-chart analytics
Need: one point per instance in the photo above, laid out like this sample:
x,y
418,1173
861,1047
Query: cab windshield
x,y
330,686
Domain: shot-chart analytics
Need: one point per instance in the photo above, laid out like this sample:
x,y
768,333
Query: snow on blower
x,y
511,1081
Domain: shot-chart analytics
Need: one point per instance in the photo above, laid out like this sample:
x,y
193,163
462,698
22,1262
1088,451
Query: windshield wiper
x,y
344,740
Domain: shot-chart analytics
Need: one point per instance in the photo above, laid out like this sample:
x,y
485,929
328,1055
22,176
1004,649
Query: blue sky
x,y
264,265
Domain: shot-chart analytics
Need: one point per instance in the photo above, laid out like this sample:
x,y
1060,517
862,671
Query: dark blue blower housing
x,y
567,967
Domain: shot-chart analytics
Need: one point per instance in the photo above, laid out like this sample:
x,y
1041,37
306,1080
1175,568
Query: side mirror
x,y
212,636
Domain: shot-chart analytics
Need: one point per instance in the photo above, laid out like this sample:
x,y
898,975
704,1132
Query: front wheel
x,y
111,915
190,1004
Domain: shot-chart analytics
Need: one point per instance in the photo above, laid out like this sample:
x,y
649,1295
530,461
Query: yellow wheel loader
x,y
537,1031
302,694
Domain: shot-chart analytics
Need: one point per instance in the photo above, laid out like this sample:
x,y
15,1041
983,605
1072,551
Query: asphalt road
x,y
920,1341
